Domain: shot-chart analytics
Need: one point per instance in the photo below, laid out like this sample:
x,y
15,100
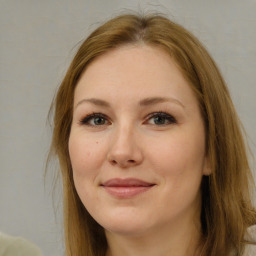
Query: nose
x,y
125,150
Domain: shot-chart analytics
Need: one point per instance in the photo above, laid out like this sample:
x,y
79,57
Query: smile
x,y
126,188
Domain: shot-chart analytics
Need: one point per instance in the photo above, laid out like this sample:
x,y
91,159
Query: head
x,y
225,206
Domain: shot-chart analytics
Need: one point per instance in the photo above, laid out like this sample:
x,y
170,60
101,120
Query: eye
x,y
161,118
95,119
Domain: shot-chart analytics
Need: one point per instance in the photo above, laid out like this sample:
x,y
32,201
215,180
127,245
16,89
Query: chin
x,y
125,224
125,230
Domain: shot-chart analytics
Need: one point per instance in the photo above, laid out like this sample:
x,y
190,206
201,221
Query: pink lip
x,y
126,188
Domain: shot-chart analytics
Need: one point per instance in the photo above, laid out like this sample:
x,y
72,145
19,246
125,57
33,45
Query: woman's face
x,y
137,142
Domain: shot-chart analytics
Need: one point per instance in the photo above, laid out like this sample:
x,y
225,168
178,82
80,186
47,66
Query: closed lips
x,y
126,188
131,182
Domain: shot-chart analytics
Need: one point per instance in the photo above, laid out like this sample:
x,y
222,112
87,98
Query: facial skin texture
x,y
127,142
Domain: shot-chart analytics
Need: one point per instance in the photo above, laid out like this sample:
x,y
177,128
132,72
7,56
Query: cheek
x,y
85,155
179,155
179,163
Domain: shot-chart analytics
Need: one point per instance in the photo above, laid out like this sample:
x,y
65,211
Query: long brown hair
x,y
227,209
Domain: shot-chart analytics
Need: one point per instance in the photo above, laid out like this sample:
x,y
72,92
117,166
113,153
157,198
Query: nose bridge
x,y
123,138
124,148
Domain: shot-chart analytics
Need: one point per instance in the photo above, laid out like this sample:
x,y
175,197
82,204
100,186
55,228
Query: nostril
x,y
122,163
113,162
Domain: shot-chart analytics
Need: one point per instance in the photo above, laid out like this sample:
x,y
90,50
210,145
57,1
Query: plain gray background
x,y
37,41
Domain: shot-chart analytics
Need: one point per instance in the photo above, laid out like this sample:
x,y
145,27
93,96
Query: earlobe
x,y
207,171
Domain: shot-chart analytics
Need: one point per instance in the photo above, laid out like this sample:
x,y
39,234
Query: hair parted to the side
x,y
227,210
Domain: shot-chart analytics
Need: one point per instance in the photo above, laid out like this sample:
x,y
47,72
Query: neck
x,y
179,239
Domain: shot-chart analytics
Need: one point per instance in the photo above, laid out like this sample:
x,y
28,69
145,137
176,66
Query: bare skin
x,y
183,242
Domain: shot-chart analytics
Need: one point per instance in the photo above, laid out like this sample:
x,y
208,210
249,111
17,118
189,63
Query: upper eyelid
x,y
159,113
93,115
163,113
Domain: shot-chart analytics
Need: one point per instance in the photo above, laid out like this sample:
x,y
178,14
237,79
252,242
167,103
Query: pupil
x,y
159,120
98,120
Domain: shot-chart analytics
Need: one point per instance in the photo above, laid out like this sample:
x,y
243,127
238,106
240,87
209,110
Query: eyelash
x,y
162,114
88,118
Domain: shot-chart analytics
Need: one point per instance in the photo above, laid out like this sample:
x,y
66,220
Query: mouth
x,y
126,188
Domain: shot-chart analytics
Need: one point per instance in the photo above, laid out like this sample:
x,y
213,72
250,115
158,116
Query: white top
x,y
17,246
250,250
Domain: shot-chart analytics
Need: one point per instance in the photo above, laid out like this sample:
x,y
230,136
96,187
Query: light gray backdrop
x,y
37,40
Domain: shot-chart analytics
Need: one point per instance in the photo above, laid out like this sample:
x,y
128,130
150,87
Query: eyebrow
x,y
156,100
144,102
94,101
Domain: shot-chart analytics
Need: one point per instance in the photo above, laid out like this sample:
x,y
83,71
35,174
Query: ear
x,y
206,167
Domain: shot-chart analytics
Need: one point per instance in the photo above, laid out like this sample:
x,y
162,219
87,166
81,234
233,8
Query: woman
x,y
152,157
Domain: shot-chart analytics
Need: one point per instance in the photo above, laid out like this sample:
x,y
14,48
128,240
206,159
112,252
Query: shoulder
x,y
250,249
10,246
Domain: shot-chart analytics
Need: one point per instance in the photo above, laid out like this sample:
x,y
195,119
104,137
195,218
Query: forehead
x,y
133,72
